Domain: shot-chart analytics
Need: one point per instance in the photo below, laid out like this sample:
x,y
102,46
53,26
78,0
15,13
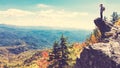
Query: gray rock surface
x,y
102,26
102,54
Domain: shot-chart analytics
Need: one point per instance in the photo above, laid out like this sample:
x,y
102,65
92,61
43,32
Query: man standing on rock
x,y
102,8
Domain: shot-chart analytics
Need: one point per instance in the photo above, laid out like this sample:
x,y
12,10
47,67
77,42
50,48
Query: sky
x,y
76,14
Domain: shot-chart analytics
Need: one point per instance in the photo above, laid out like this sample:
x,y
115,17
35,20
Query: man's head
x,y
101,5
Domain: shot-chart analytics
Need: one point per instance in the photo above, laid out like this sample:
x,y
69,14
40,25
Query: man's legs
x,y
101,15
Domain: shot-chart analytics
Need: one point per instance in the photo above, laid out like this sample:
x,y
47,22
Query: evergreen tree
x,y
54,56
64,52
59,55
97,34
115,17
105,18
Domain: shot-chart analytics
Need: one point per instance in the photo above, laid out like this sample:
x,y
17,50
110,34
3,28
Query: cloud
x,y
15,13
45,17
60,13
43,6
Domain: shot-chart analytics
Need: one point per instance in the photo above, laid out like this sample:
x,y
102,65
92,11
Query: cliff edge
x,y
102,54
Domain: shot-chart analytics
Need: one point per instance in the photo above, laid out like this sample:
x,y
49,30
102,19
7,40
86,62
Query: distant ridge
x,y
40,27
37,37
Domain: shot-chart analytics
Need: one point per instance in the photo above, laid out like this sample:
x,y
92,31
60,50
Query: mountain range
x,y
38,37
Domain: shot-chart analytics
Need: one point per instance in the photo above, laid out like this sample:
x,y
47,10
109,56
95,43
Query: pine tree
x,y
64,52
97,34
115,17
54,56
59,55
105,18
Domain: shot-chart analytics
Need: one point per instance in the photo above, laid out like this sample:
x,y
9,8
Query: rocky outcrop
x,y
103,27
102,54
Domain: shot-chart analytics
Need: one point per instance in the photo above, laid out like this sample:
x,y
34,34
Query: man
x,y
102,8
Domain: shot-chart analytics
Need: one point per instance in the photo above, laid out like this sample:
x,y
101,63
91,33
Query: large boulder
x,y
100,55
103,27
